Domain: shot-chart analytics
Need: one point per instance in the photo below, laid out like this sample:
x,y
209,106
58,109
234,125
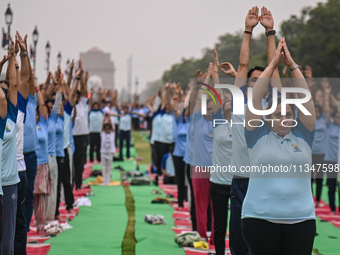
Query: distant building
x,y
100,67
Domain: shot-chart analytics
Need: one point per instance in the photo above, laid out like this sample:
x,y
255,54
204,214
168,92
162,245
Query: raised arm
x,y
260,89
59,95
11,74
327,89
83,85
41,103
216,80
3,105
175,100
200,92
25,70
69,77
307,120
267,21
252,20
74,88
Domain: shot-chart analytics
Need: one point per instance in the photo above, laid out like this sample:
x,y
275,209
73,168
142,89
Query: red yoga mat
x,y
38,249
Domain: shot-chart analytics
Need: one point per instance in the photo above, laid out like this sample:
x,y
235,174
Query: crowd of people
x,y
271,213
49,128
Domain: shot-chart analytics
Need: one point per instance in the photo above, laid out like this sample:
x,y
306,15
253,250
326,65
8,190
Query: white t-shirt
x,y
114,119
80,124
107,142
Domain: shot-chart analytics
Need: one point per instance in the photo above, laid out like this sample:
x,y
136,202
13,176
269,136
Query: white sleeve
x,y
157,103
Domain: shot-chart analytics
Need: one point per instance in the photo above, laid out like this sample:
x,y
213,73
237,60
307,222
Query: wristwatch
x,y
271,32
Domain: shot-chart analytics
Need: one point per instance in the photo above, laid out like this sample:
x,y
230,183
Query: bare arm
x,y
73,92
42,107
260,89
69,77
307,120
327,89
252,20
25,70
3,105
267,22
12,77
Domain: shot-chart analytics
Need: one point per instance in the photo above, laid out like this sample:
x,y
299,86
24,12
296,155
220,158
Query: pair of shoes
x,y
187,239
156,192
159,200
154,220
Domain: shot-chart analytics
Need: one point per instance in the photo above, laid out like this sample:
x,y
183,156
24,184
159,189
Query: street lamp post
x,y
59,58
9,20
48,51
35,37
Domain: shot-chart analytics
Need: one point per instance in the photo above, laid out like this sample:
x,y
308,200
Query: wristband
x,y
37,89
294,68
175,98
215,71
248,33
23,55
271,32
78,78
16,67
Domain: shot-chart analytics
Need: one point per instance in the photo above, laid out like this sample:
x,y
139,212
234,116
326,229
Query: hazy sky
x,y
158,33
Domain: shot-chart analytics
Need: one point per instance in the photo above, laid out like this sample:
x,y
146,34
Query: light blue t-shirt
x,y
203,140
332,141
59,145
222,151
30,135
181,137
9,164
2,130
186,158
167,128
168,164
156,127
320,139
52,121
280,196
67,124
42,139
125,122
96,121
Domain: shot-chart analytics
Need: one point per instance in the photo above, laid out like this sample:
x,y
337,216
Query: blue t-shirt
x,y
181,137
52,121
186,158
42,140
30,135
168,164
96,121
320,139
280,195
2,130
67,124
59,144
9,163
203,140
332,141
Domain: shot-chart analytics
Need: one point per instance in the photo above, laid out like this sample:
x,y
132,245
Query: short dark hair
x,y
107,125
258,68
95,103
78,93
6,82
